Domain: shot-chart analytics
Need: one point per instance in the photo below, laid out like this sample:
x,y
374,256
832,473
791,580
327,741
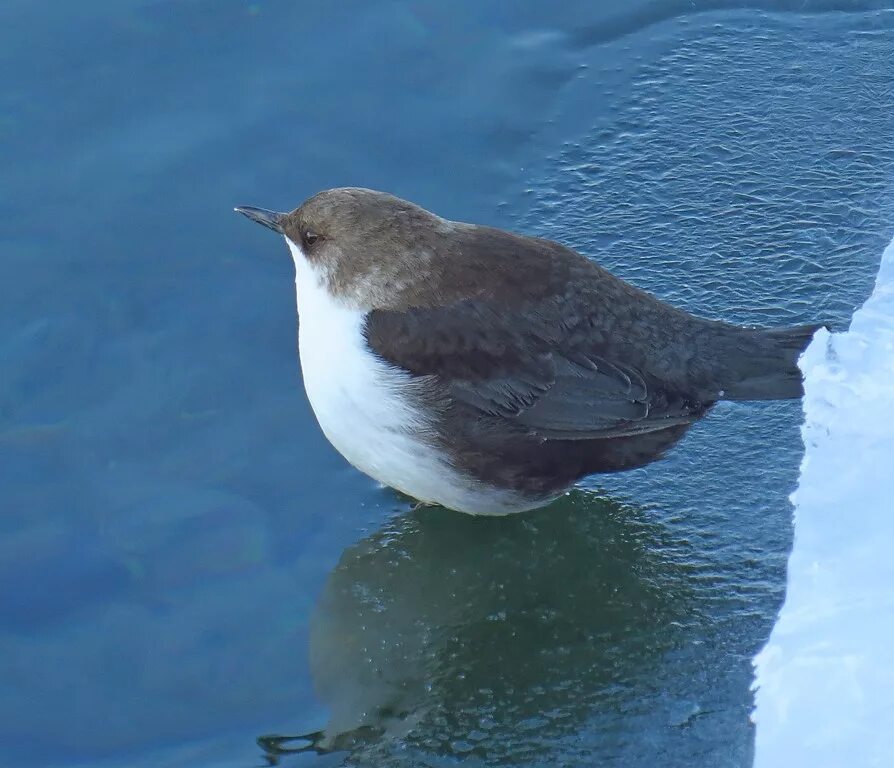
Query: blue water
x,y
187,566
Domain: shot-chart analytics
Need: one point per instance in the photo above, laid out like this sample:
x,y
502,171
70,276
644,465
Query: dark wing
x,y
528,367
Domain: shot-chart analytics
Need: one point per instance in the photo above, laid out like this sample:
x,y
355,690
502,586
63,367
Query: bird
x,y
488,372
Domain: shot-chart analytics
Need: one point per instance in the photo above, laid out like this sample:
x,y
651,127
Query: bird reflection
x,y
491,637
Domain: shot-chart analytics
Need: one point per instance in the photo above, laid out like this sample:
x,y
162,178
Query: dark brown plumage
x,y
540,366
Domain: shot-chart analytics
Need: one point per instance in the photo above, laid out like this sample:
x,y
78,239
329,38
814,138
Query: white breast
x,y
366,408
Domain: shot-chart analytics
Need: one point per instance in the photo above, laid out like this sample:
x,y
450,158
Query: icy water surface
x,y
186,567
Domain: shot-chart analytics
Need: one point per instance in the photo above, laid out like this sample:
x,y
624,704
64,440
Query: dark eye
x,y
310,237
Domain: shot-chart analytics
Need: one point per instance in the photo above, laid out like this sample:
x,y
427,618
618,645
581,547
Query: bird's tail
x,y
763,364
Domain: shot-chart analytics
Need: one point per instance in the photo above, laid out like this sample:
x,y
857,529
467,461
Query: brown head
x,y
370,247
376,251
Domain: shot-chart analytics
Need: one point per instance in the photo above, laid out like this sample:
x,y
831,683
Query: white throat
x,y
369,409
363,405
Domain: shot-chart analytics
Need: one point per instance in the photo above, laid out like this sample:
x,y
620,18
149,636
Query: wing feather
x,y
528,368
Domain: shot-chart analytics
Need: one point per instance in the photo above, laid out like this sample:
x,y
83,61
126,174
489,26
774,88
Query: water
x,y
186,565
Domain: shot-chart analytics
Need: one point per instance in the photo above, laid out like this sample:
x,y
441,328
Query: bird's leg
x,y
276,747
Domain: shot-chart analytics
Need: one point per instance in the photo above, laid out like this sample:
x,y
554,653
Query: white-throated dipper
x,y
488,372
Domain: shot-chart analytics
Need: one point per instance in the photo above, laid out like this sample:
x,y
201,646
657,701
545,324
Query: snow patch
x,y
825,680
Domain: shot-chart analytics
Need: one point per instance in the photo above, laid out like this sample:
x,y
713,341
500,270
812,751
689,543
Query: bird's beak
x,y
270,219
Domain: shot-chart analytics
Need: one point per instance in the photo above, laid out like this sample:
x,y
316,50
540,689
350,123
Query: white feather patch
x,y
366,409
